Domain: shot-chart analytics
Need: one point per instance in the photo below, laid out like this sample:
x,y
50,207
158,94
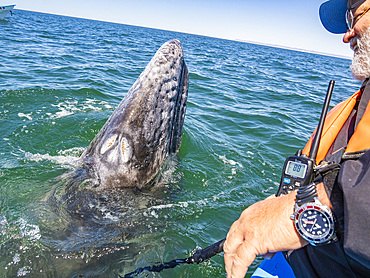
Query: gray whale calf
x,y
145,128
97,209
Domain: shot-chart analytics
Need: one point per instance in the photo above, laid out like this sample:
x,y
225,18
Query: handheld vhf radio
x,y
299,170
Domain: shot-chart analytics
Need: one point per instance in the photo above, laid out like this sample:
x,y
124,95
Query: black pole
x,y
198,257
208,252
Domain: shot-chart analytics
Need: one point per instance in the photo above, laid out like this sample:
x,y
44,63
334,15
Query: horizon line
x,y
236,40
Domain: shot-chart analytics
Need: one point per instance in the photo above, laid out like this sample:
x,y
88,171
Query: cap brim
x,y
333,16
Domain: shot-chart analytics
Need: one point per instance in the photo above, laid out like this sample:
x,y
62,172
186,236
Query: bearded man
x,y
342,191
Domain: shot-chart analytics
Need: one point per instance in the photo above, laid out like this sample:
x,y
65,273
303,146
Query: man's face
x,y
359,39
361,58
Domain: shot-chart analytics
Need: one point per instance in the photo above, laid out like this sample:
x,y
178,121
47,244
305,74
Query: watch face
x,y
314,224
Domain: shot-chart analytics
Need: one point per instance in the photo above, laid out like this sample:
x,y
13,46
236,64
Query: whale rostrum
x,y
145,128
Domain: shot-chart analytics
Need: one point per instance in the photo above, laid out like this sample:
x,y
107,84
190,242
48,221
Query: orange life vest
x,y
334,121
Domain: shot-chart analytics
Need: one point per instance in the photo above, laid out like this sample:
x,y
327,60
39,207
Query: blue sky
x,y
290,23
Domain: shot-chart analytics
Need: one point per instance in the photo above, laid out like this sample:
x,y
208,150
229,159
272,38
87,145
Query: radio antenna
x,y
316,140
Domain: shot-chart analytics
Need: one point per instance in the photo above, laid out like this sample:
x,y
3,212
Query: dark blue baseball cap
x,y
333,14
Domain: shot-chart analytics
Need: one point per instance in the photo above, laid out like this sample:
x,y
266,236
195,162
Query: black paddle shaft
x,y
199,256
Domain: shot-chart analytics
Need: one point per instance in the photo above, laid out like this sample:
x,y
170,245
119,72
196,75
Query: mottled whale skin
x,y
145,128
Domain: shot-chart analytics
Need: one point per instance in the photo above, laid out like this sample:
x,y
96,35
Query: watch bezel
x,y
315,239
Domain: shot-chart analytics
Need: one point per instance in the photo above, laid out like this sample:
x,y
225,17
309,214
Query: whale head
x,y
146,127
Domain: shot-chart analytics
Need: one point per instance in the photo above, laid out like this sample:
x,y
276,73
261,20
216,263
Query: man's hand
x,y
262,228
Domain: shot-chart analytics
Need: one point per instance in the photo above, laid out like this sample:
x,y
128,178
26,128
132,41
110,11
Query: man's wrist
x,y
313,217
322,195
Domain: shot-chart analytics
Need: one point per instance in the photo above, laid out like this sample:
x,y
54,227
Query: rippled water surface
x,y
249,107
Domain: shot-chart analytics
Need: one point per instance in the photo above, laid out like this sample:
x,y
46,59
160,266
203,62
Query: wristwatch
x,y
313,221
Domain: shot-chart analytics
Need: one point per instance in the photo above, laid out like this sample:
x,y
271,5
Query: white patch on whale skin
x,y
123,149
126,150
108,144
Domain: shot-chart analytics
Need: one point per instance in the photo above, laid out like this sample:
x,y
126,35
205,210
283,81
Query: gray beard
x,y
361,59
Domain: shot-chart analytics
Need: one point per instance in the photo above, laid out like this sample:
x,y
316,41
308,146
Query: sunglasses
x,y
350,18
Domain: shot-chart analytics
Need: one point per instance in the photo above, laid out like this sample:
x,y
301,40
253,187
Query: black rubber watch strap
x,y
306,194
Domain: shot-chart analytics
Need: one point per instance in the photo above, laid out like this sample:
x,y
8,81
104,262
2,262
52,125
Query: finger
x,y
234,238
243,258
228,258
231,245
233,227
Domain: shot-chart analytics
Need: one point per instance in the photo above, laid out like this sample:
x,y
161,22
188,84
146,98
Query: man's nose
x,y
349,35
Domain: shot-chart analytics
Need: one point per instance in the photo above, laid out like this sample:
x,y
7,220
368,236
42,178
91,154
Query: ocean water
x,y
249,107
